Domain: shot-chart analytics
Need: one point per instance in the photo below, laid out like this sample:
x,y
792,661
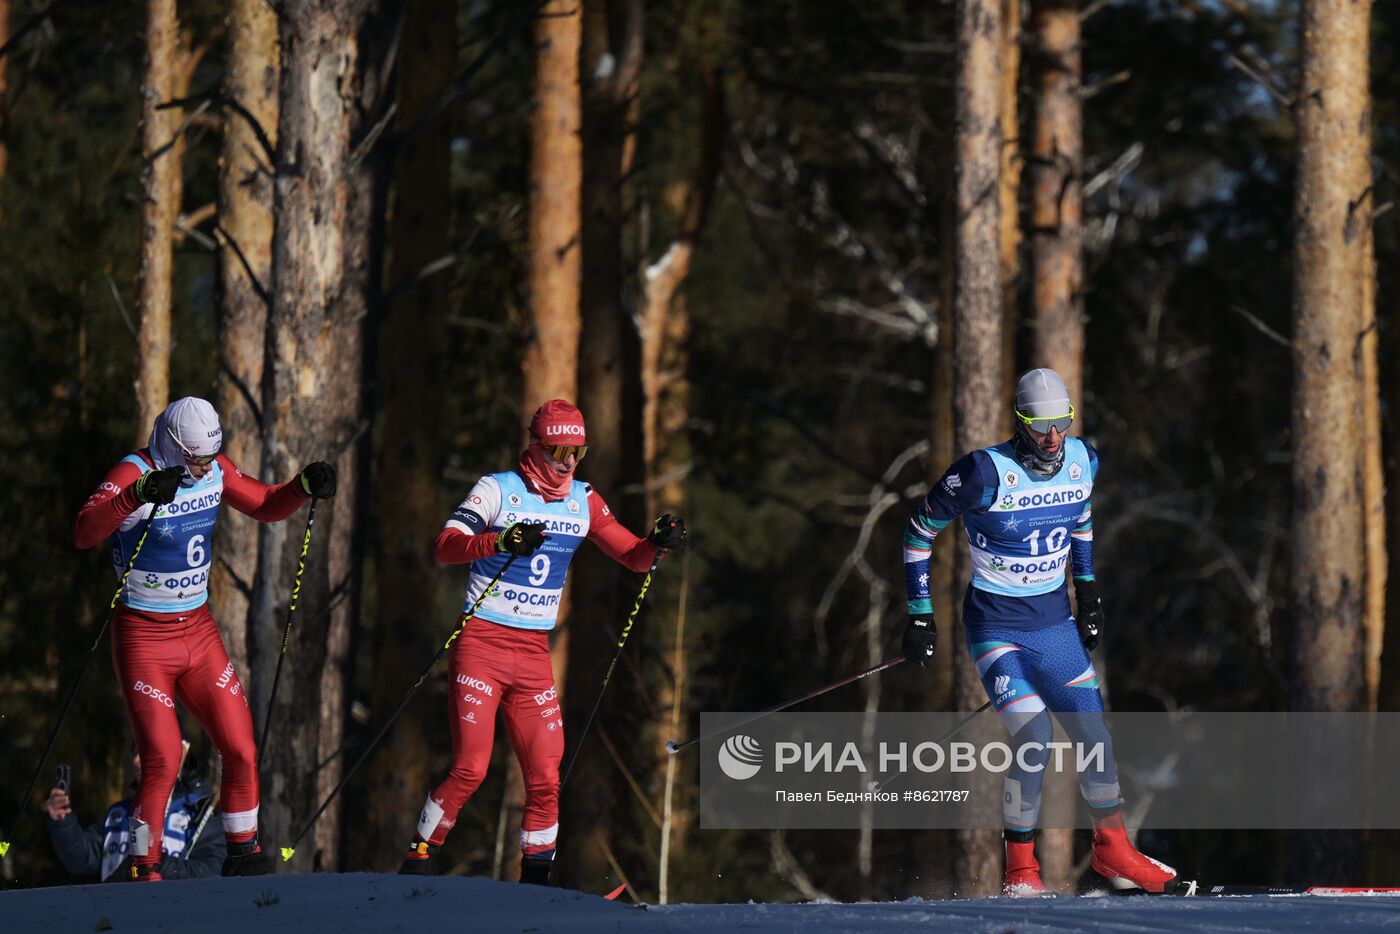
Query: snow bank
x,y
326,902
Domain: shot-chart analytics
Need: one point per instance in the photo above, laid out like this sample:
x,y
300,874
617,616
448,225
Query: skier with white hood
x,y
165,643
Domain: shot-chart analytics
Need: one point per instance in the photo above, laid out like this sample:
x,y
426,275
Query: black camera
x,y
61,779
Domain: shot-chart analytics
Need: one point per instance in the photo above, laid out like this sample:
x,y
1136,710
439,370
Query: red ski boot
x,y
1116,859
1022,879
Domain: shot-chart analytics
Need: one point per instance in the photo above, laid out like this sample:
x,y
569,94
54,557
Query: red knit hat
x,y
558,422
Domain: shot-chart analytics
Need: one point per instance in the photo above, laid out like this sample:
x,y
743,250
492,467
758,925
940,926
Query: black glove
x,y
668,532
920,639
1090,617
318,480
521,538
159,486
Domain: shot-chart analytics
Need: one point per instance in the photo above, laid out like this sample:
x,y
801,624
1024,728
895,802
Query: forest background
x,y
788,257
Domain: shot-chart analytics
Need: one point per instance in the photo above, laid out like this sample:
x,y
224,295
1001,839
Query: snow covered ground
x,y
312,904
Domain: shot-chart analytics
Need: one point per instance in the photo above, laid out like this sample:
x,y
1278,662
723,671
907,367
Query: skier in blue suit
x,y
1025,507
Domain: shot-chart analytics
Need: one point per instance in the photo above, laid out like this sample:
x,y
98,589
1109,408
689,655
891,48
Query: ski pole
x,y
287,635
289,851
621,641
73,693
674,747
216,776
876,786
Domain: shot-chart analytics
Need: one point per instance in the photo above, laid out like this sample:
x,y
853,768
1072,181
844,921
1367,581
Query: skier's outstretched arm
x,y
633,553
252,497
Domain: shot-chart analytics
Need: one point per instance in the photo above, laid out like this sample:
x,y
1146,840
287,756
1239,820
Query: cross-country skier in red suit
x,y
539,514
165,643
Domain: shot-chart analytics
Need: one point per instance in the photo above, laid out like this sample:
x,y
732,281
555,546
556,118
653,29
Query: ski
x,y
1201,889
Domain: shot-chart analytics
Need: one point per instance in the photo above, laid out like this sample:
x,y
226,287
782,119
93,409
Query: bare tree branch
x,y
34,22
180,131
1274,92
258,287
1263,328
121,306
216,98
243,391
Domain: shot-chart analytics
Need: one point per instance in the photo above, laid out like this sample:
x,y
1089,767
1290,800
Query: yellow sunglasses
x,y
561,452
1043,425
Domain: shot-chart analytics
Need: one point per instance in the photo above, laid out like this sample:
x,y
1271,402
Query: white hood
x,y
187,426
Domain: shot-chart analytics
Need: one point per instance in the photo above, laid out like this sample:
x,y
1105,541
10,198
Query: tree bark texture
x,y
161,193
550,361
312,381
978,404
245,272
1331,217
1332,210
665,326
1377,555
611,52
1057,159
409,459
1057,275
665,332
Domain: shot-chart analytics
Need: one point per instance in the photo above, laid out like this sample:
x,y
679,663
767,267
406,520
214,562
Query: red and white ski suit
x,y
501,660
166,646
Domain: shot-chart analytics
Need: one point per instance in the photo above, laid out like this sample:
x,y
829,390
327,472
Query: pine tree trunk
x,y
1056,193
313,383
161,192
978,403
550,361
1373,497
665,332
245,225
609,72
665,325
409,459
1057,279
1332,216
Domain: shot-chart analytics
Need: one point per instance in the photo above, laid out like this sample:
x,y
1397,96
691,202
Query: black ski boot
x,y
536,871
420,861
131,871
246,859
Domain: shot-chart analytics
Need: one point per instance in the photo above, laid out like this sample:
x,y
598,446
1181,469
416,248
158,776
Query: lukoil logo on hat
x,y
740,757
559,422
